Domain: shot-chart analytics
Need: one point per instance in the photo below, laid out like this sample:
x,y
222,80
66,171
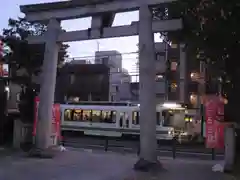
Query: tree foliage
x,y
209,26
211,32
27,56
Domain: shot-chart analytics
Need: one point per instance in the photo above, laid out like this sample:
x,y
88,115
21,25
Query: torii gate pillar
x,y
148,142
48,81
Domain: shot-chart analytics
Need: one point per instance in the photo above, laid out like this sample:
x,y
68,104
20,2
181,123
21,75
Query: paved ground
x,y
97,165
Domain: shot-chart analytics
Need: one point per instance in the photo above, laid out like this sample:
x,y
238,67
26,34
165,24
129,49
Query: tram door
x,y
124,120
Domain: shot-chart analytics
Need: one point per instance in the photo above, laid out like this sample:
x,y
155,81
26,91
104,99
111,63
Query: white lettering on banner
x,y
210,120
210,129
211,138
54,125
210,112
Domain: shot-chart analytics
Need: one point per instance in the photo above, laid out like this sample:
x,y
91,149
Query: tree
x,y
25,56
211,32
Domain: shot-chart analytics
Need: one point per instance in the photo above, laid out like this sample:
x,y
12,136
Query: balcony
x,y
160,87
161,66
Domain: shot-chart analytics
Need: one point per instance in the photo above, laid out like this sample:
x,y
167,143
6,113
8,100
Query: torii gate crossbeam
x,y
74,9
110,32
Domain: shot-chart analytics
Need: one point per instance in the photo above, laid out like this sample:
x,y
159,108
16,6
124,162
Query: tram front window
x,y
167,116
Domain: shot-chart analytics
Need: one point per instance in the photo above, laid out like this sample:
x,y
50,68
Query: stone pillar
x,y
148,142
230,148
48,81
17,133
99,22
96,26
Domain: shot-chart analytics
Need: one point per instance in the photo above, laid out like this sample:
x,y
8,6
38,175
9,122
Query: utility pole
x,y
201,91
166,62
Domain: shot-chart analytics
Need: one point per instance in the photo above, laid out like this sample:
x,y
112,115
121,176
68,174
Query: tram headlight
x,y
7,89
171,132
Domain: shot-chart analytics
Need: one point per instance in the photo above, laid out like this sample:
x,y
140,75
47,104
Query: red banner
x,y
214,112
56,130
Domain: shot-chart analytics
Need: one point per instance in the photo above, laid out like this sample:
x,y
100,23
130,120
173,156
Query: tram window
x,y
77,115
109,116
90,115
96,116
86,115
67,115
167,115
135,118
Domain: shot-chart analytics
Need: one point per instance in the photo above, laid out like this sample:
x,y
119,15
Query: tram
x,y
114,120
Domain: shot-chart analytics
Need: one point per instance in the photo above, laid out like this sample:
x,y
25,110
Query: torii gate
x,y
102,13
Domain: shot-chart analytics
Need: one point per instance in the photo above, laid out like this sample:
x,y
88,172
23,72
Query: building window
x,y
159,77
193,99
174,66
174,46
105,60
160,56
195,76
173,87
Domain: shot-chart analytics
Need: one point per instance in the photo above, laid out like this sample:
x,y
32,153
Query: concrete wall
x,y
119,86
119,79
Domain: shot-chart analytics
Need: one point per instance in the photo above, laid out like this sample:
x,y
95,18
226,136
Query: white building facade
x,y
119,79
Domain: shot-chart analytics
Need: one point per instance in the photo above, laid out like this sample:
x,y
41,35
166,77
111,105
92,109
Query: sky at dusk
x,y
82,49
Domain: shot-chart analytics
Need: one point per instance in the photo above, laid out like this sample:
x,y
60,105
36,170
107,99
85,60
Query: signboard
x,y
4,49
210,113
4,70
214,112
56,130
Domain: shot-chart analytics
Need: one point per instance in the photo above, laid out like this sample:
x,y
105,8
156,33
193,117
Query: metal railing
x,y
174,149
